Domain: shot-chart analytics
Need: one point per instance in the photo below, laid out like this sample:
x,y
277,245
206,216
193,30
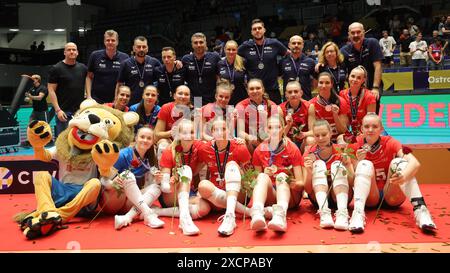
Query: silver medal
x,y
261,66
200,80
141,83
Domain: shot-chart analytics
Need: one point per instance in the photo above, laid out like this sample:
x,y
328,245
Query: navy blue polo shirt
x,y
168,83
200,75
339,75
105,72
272,48
370,52
237,78
130,74
303,68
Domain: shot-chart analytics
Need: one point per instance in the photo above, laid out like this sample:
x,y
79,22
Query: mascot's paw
x,y
43,225
105,154
39,133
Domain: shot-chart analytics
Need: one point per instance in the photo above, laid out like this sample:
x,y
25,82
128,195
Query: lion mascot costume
x,y
87,149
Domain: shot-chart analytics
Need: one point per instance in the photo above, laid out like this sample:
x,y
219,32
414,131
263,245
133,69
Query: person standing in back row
x,y
103,69
366,52
66,85
260,54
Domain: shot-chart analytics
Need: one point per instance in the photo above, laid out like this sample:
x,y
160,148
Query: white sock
x,y
152,192
175,212
321,198
284,205
218,198
183,203
135,196
411,189
258,206
231,204
342,200
362,190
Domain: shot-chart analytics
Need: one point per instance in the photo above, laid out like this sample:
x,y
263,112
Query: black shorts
x,y
387,59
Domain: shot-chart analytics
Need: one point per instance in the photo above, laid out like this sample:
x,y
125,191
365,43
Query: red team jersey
x,y
289,156
168,160
238,153
334,155
166,114
367,99
248,111
211,110
300,117
381,158
321,113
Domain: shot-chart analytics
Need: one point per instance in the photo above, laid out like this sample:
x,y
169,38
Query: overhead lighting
x,y
60,29
14,29
81,29
37,29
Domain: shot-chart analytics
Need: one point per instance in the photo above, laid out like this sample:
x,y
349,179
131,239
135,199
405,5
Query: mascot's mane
x,y
82,157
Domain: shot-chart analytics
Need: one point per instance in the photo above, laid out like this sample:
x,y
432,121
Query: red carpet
x,y
303,229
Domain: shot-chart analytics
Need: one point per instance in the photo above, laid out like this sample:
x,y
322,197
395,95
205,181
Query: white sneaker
x,y
153,221
358,221
121,221
258,222
188,226
278,222
326,220
228,224
341,222
423,219
268,212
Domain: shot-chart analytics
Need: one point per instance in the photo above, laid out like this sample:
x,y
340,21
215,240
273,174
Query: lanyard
x,y
295,66
260,55
229,71
354,106
141,75
221,168
375,146
200,72
189,157
144,162
323,101
168,79
277,150
336,79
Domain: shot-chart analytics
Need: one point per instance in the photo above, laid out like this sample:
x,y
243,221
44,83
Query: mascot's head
x,y
91,124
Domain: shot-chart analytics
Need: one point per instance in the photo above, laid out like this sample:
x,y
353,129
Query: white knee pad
x,y
232,177
281,178
186,171
365,168
319,176
128,178
398,164
161,147
165,183
337,172
154,189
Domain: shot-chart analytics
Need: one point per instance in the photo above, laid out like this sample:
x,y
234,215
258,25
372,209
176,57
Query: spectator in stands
x,y
365,52
33,46
169,76
260,54
38,96
405,54
311,42
103,69
66,86
41,47
412,28
201,68
387,44
441,24
298,67
436,55
147,108
232,69
138,71
315,53
394,26
122,99
331,60
446,35
335,30
418,50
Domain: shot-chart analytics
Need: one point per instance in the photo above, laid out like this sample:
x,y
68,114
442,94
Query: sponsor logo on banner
x,y
6,177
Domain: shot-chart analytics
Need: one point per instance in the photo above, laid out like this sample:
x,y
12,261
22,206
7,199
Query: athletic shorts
x,y
164,205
